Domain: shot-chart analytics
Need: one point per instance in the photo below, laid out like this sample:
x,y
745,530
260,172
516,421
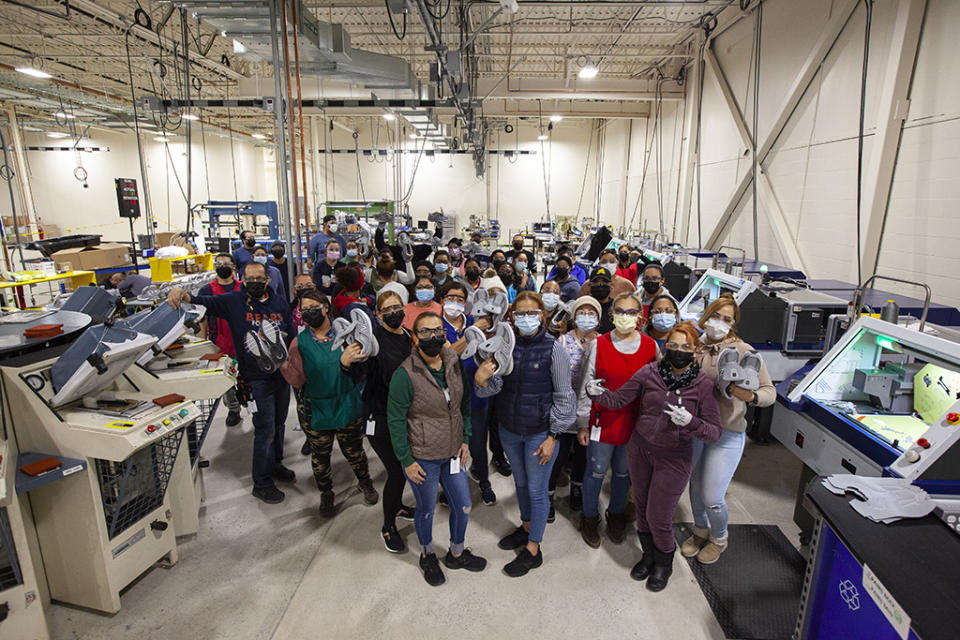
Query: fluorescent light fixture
x,y
556,117
36,73
258,136
63,114
543,137
588,71
58,134
413,136
389,117
238,47
163,140
190,116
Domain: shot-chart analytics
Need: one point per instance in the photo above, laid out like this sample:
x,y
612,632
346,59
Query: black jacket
x,y
394,349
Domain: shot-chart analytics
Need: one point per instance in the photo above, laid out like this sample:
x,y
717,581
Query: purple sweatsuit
x,y
659,453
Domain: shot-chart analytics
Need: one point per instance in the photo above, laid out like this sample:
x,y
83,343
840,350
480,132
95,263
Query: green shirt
x,y
399,401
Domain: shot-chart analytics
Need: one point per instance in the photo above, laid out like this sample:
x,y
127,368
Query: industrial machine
x,y
708,288
885,400
109,521
790,318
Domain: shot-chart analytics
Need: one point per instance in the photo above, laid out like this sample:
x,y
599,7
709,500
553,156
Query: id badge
x,y
371,428
595,433
454,465
252,406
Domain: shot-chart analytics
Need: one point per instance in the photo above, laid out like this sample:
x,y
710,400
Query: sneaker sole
x,y
470,569
405,518
400,550
491,503
266,501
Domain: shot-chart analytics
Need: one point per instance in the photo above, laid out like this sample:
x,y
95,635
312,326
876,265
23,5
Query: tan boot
x,y
692,545
711,551
590,530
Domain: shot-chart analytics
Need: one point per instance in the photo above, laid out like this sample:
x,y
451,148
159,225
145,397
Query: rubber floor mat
x,y
754,589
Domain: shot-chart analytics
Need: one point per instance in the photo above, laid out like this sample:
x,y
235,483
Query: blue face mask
x,y
551,300
260,259
663,321
586,323
441,267
352,253
424,295
527,326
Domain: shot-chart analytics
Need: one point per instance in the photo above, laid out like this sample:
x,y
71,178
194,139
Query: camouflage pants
x,y
350,439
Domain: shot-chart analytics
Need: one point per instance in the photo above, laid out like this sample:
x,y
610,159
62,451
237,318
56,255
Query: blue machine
x,y
232,209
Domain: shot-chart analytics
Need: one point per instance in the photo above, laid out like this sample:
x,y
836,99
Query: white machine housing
x,y
709,287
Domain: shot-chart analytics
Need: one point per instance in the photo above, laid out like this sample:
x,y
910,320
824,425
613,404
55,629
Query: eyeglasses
x,y
223,264
633,313
722,318
255,280
391,309
426,334
653,280
454,298
526,314
689,348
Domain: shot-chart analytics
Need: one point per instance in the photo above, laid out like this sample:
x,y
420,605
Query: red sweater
x,y
616,368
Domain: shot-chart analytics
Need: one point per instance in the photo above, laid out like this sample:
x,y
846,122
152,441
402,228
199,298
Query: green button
x,y
183,412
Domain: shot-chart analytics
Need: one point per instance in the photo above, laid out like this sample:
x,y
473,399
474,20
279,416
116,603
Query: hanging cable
x,y
356,155
7,174
187,84
757,38
586,167
403,33
863,97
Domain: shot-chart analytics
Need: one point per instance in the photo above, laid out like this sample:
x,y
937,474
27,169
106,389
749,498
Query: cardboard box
x,y
168,239
101,256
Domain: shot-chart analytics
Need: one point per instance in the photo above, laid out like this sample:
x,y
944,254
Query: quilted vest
x,y
616,368
523,405
434,426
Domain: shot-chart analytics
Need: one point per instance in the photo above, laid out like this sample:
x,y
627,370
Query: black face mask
x,y
506,279
224,271
624,258
313,316
651,287
255,290
600,291
394,319
277,253
678,359
250,242
562,272
473,274
432,347
517,279
518,246
497,264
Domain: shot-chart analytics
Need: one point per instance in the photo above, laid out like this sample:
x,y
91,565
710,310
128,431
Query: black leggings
x,y
576,453
393,487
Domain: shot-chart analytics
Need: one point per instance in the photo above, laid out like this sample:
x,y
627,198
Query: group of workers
x,y
605,377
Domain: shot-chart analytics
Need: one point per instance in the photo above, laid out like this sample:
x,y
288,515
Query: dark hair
x,y
419,278
450,286
259,247
240,235
331,241
469,260
278,244
256,264
612,252
348,277
495,251
652,265
426,315
316,296
423,263
565,258
223,255
440,252
327,218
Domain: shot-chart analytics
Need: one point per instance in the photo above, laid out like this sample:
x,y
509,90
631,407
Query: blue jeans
x,y
457,490
713,467
530,477
600,457
478,446
272,396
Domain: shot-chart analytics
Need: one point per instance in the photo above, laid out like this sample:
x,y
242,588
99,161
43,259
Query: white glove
x,y
595,388
678,414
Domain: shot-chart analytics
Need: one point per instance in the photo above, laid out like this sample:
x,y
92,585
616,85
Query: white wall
x,y
813,165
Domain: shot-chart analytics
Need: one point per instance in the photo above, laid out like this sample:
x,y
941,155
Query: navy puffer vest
x,y
523,406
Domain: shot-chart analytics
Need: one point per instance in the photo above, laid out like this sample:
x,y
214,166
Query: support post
x,y
690,151
280,146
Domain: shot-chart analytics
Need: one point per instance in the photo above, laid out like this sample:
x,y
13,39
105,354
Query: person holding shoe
x,y
428,414
676,406
535,404
329,407
613,357
714,463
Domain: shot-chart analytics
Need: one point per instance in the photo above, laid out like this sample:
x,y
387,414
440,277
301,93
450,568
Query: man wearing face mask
x,y
523,279
519,253
497,259
626,268
618,284
244,310
244,253
279,261
218,332
600,290
651,279
276,278
509,279
319,241
574,269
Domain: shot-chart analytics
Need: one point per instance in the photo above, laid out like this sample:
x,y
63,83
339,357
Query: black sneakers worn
x,y
442,499
576,496
328,508
270,495
488,496
370,495
501,466
552,515
406,513
284,474
517,538
466,561
392,540
233,418
523,563
431,570
305,449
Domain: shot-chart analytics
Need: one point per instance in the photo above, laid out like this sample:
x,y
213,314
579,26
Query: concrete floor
x,y
259,571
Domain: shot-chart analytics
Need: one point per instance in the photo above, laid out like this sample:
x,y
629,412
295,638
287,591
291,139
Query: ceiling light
x,y
389,117
58,134
259,136
588,71
64,115
413,136
556,117
543,137
36,73
190,116
164,140
238,47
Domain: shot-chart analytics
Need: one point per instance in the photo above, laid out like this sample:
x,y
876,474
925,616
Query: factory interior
x,y
479,318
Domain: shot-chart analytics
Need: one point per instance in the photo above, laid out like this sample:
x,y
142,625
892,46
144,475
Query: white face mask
x,y
611,266
333,227
716,329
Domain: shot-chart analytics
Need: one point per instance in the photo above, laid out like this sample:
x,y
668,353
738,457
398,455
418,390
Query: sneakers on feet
x,y
516,538
431,570
501,466
522,564
370,495
576,497
233,418
466,561
488,496
283,474
473,474
305,449
405,513
270,495
442,498
328,508
392,540
552,515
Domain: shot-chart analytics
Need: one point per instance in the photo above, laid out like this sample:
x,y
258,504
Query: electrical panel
x,y
128,201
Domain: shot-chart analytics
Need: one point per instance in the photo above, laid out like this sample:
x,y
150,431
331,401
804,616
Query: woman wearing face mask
x,y
600,290
523,279
497,258
626,268
663,317
279,262
455,252
330,407
276,279
715,462
574,270
613,357
651,279
618,284
586,318
385,271
322,274
535,405
395,344
508,278
569,286
441,266
676,405
428,413
472,274
218,331
557,320
423,293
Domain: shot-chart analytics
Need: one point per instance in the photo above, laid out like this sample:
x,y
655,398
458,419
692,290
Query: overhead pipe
x,y
303,141
280,144
295,204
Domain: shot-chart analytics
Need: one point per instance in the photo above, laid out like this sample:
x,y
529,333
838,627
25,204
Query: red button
x,y
151,428
923,442
953,418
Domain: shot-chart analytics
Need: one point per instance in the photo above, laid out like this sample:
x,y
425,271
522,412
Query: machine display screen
x,y
709,291
892,390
